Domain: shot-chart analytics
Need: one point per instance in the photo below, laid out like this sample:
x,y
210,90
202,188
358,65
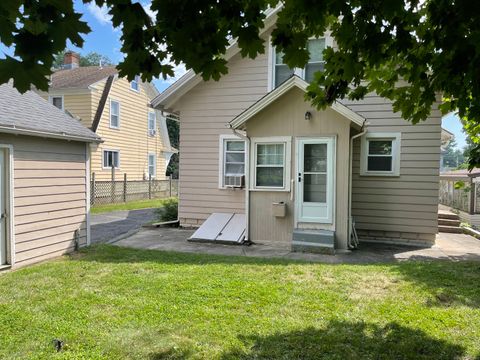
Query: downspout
x,y
350,185
247,181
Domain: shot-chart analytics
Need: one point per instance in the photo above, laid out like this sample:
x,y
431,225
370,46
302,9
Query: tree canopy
x,y
90,59
412,52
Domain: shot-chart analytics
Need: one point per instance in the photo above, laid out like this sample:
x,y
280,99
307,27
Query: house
x,y
135,135
446,138
252,149
44,191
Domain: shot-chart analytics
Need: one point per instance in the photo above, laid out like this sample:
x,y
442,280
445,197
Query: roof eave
x,y
46,134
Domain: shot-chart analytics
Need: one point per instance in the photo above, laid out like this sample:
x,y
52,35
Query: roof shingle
x,y
81,77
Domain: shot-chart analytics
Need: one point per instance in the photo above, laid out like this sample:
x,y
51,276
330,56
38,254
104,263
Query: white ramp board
x,y
221,227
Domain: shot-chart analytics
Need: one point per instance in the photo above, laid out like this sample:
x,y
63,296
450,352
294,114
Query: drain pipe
x,y
350,175
247,180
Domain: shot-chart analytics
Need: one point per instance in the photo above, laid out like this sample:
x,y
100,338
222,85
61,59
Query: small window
x,y
114,114
57,101
111,158
232,165
380,154
315,63
152,165
152,123
270,165
134,84
281,71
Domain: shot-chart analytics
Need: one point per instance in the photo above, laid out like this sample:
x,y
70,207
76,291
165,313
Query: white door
x,y
3,203
315,180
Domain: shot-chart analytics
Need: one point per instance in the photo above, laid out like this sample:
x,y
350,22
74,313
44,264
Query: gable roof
x,y
81,77
30,114
287,85
180,87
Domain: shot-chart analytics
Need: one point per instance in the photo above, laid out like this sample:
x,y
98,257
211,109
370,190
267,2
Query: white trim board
x,y
10,205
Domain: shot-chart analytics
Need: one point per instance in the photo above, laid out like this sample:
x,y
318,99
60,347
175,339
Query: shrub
x,y
169,210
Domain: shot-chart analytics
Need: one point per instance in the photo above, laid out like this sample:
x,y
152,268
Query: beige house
x,y
270,167
135,135
44,179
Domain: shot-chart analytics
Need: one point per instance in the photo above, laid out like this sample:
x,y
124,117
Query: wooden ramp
x,y
222,228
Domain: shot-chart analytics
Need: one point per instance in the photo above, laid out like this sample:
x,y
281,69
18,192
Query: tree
x,y
452,157
408,51
91,59
174,135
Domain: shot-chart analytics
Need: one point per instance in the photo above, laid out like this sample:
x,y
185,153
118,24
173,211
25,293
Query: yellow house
x,y
135,135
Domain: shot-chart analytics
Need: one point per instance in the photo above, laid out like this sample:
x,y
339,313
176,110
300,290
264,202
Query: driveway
x,y
109,226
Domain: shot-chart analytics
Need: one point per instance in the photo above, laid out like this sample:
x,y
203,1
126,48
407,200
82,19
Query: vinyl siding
x,y
49,196
131,139
205,112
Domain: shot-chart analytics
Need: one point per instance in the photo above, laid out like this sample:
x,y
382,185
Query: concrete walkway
x,y
112,225
448,247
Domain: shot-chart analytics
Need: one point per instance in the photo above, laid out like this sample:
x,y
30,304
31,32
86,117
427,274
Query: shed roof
x,y
30,114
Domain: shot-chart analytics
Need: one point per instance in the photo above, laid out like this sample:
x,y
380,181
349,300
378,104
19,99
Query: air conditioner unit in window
x,y
152,132
234,181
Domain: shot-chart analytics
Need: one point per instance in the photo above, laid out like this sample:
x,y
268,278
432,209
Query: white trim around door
x,y
7,241
315,180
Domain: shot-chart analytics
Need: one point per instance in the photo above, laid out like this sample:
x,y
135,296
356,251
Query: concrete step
x,y
450,229
449,222
448,215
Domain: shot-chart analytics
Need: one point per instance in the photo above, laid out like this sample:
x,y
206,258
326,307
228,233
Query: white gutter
x,y
17,131
247,181
350,186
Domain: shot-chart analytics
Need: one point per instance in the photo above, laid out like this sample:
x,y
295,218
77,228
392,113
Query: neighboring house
x,y
250,144
44,179
446,138
135,135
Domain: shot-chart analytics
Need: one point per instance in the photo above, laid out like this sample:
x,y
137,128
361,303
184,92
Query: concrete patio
x,y
448,247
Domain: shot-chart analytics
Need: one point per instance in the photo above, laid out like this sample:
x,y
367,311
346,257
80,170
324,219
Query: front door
x,y
315,180
3,204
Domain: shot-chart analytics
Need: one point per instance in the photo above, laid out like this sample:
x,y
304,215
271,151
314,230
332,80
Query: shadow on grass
x,y
347,340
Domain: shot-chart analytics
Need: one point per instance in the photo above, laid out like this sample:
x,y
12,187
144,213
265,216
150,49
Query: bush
x,y
169,211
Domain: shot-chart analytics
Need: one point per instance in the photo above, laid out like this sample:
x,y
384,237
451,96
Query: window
x,y
232,161
152,123
114,114
281,71
380,154
152,165
135,83
271,161
111,158
57,101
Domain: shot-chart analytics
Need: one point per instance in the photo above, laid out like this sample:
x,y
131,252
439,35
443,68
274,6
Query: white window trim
x,y
103,159
154,122
287,141
110,114
137,81
50,100
297,71
396,153
221,157
154,164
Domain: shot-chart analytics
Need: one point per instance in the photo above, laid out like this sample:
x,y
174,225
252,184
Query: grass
x,y
114,303
131,205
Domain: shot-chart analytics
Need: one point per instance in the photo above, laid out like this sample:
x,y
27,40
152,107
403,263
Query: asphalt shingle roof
x,y
30,112
81,77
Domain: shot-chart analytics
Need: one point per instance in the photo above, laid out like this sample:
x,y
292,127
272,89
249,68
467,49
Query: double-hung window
x,y
152,165
114,114
232,161
281,71
57,101
111,158
152,123
271,161
380,154
134,84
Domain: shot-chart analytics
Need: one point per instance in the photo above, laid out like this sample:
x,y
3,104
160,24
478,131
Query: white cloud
x,y
100,13
179,71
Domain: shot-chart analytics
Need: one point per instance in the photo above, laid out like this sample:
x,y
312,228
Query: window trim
x,y
50,100
136,80
103,159
110,114
396,139
287,164
221,157
154,164
154,122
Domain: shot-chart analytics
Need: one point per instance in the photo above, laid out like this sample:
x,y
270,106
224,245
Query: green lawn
x,y
114,303
131,205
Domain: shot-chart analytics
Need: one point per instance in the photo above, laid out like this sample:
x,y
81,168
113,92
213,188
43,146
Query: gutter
x,y
247,182
45,134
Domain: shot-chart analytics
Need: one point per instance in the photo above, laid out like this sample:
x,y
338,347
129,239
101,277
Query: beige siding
x,y
131,139
402,208
49,196
205,112
285,117
78,104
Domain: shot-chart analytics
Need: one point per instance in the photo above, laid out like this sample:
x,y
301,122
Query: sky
x,y
105,40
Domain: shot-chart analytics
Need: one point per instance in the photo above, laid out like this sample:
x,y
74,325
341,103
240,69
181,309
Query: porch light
x,y
308,115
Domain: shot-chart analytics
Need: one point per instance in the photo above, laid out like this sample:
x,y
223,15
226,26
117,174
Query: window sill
x,y
270,189
379,174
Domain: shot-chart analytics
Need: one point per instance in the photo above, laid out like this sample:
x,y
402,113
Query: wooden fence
x,y
461,192
119,191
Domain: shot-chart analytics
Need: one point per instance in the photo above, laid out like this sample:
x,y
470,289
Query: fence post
x,y
125,187
472,197
170,184
149,186
92,190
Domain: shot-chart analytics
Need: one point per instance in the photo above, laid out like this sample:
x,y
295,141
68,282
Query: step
x,y
315,241
449,222
450,229
448,215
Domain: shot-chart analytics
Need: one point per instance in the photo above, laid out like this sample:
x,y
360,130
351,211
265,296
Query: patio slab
x,y
452,247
